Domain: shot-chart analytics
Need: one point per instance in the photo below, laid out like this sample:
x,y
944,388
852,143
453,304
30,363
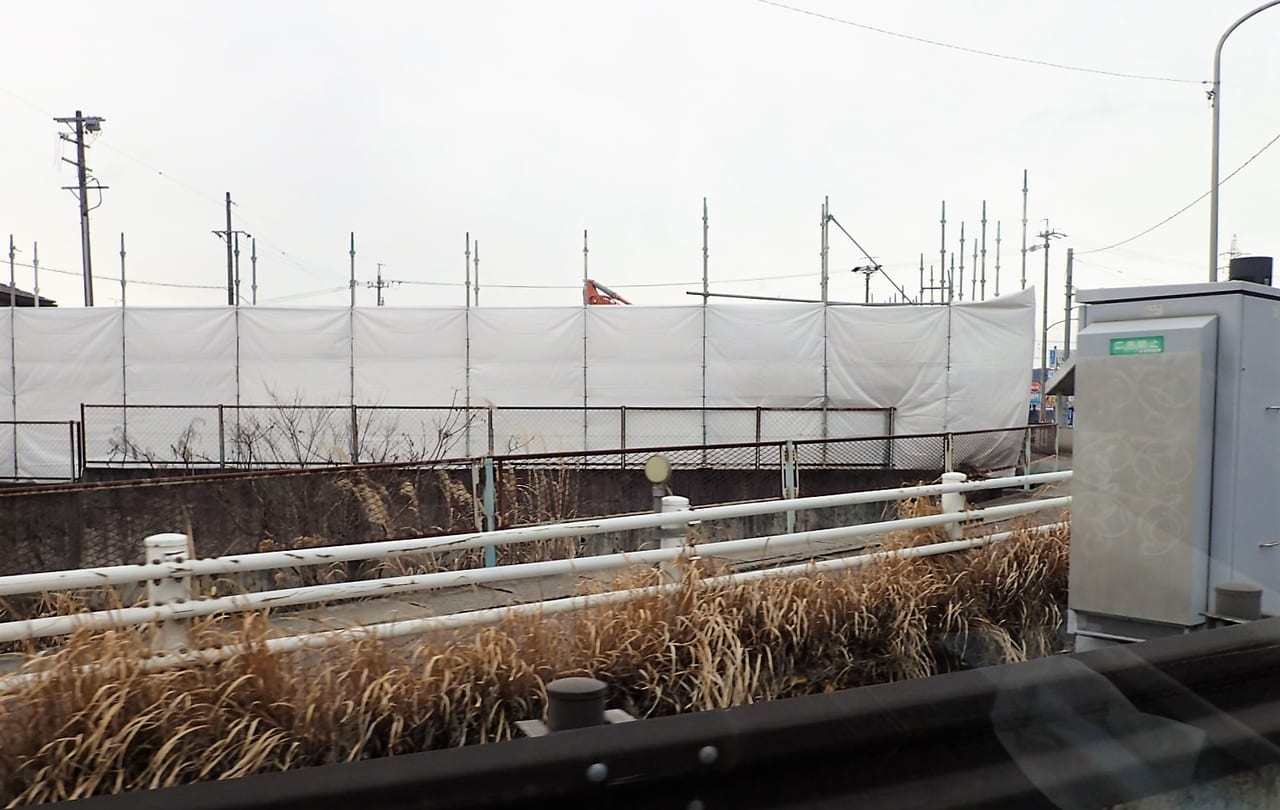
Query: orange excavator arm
x,y
593,292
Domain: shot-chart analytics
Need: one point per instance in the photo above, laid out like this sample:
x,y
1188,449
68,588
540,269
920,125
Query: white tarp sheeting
x,y
765,356
964,367
410,356
644,357
527,357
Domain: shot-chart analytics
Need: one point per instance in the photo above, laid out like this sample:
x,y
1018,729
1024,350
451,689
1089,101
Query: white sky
x,y
525,123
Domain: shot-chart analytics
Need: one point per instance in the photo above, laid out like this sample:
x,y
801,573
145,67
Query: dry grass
x,y
89,731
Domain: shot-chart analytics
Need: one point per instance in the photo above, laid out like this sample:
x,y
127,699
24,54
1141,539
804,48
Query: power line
x,y
138,281
1119,272
301,295
1186,207
210,197
978,51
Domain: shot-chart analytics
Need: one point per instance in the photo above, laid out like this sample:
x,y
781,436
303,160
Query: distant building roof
x,y
22,298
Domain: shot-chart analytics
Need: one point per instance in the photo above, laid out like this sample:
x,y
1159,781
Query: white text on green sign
x,y
1153,344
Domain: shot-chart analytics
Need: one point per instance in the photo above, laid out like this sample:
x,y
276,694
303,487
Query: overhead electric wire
x,y
205,195
979,51
1128,273
301,295
138,281
1186,207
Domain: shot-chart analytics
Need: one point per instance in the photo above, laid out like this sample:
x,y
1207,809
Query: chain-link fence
x,y
237,512
37,451
288,435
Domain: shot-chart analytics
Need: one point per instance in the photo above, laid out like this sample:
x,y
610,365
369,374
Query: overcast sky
x,y
524,123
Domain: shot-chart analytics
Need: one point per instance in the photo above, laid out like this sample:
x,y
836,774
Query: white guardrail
x,y
169,568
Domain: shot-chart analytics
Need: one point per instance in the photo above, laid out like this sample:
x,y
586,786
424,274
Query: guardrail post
x,y
826,432
954,503
490,514
888,444
1026,470
222,439
948,452
790,480
622,436
84,445
489,415
1057,449
171,634
673,534
71,431
355,434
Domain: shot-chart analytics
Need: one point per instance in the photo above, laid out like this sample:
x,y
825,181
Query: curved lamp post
x,y
1216,98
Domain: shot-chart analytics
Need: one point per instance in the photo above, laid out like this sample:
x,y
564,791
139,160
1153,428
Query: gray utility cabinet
x,y
1177,456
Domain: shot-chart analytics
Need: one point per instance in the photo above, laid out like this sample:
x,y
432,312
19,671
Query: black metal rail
x,y
1086,730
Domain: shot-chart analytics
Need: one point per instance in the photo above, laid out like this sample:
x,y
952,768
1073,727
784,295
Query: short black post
x,y
575,703
1238,600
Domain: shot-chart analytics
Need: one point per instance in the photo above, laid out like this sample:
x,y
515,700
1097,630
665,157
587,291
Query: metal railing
x,y
285,435
170,565
241,507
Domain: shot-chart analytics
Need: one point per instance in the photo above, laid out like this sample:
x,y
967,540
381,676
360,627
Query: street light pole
x,y
1215,99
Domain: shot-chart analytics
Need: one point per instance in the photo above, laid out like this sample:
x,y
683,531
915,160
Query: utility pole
x,y
231,288
867,272
1046,235
466,264
122,270
233,253
475,258
1066,341
379,285
80,124
232,238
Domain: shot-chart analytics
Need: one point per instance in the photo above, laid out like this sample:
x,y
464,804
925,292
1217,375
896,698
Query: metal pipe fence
x,y
170,564
50,528
289,435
